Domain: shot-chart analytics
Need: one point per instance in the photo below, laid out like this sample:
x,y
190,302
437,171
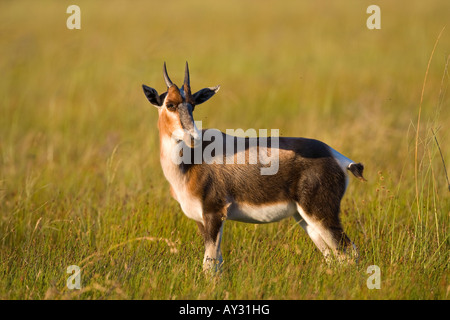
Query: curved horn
x,y
166,77
187,80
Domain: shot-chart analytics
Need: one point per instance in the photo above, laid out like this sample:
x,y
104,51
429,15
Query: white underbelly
x,y
264,213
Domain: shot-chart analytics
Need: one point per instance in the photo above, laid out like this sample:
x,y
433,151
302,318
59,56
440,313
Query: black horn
x,y
187,80
166,77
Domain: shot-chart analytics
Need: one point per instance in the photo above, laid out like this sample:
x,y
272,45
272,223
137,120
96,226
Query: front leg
x,y
211,230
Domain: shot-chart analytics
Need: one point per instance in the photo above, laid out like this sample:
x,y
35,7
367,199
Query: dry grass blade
x,y
416,161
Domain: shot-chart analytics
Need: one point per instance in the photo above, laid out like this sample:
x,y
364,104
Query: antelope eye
x,y
170,106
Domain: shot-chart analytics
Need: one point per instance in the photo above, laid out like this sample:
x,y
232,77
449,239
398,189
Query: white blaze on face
x,y
191,131
196,133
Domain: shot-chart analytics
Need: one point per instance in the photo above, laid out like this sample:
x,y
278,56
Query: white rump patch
x,y
342,160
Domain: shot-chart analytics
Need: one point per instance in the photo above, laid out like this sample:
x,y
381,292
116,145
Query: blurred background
x,y
310,69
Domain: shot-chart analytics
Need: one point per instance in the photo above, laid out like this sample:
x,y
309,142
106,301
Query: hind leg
x,y
329,231
315,236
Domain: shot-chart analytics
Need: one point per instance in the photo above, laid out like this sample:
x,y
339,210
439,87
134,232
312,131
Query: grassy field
x,y
80,179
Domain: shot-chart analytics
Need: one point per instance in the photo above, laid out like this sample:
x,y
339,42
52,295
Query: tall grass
x,y
80,179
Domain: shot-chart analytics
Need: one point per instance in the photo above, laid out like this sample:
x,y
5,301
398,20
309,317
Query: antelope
x,y
309,184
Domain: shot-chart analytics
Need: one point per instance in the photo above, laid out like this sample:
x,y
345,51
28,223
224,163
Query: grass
x,y
80,180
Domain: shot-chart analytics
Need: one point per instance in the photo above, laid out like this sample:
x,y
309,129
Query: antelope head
x,y
176,106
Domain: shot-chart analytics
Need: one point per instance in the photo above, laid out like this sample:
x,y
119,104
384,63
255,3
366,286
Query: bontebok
x,y
217,177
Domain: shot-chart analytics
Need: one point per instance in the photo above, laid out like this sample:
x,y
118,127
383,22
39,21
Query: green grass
x,y
80,180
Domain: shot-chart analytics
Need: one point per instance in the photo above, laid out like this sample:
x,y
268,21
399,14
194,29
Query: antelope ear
x,y
204,94
153,97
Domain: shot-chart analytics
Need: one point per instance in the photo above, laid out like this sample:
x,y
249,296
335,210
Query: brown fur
x,y
174,96
307,175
